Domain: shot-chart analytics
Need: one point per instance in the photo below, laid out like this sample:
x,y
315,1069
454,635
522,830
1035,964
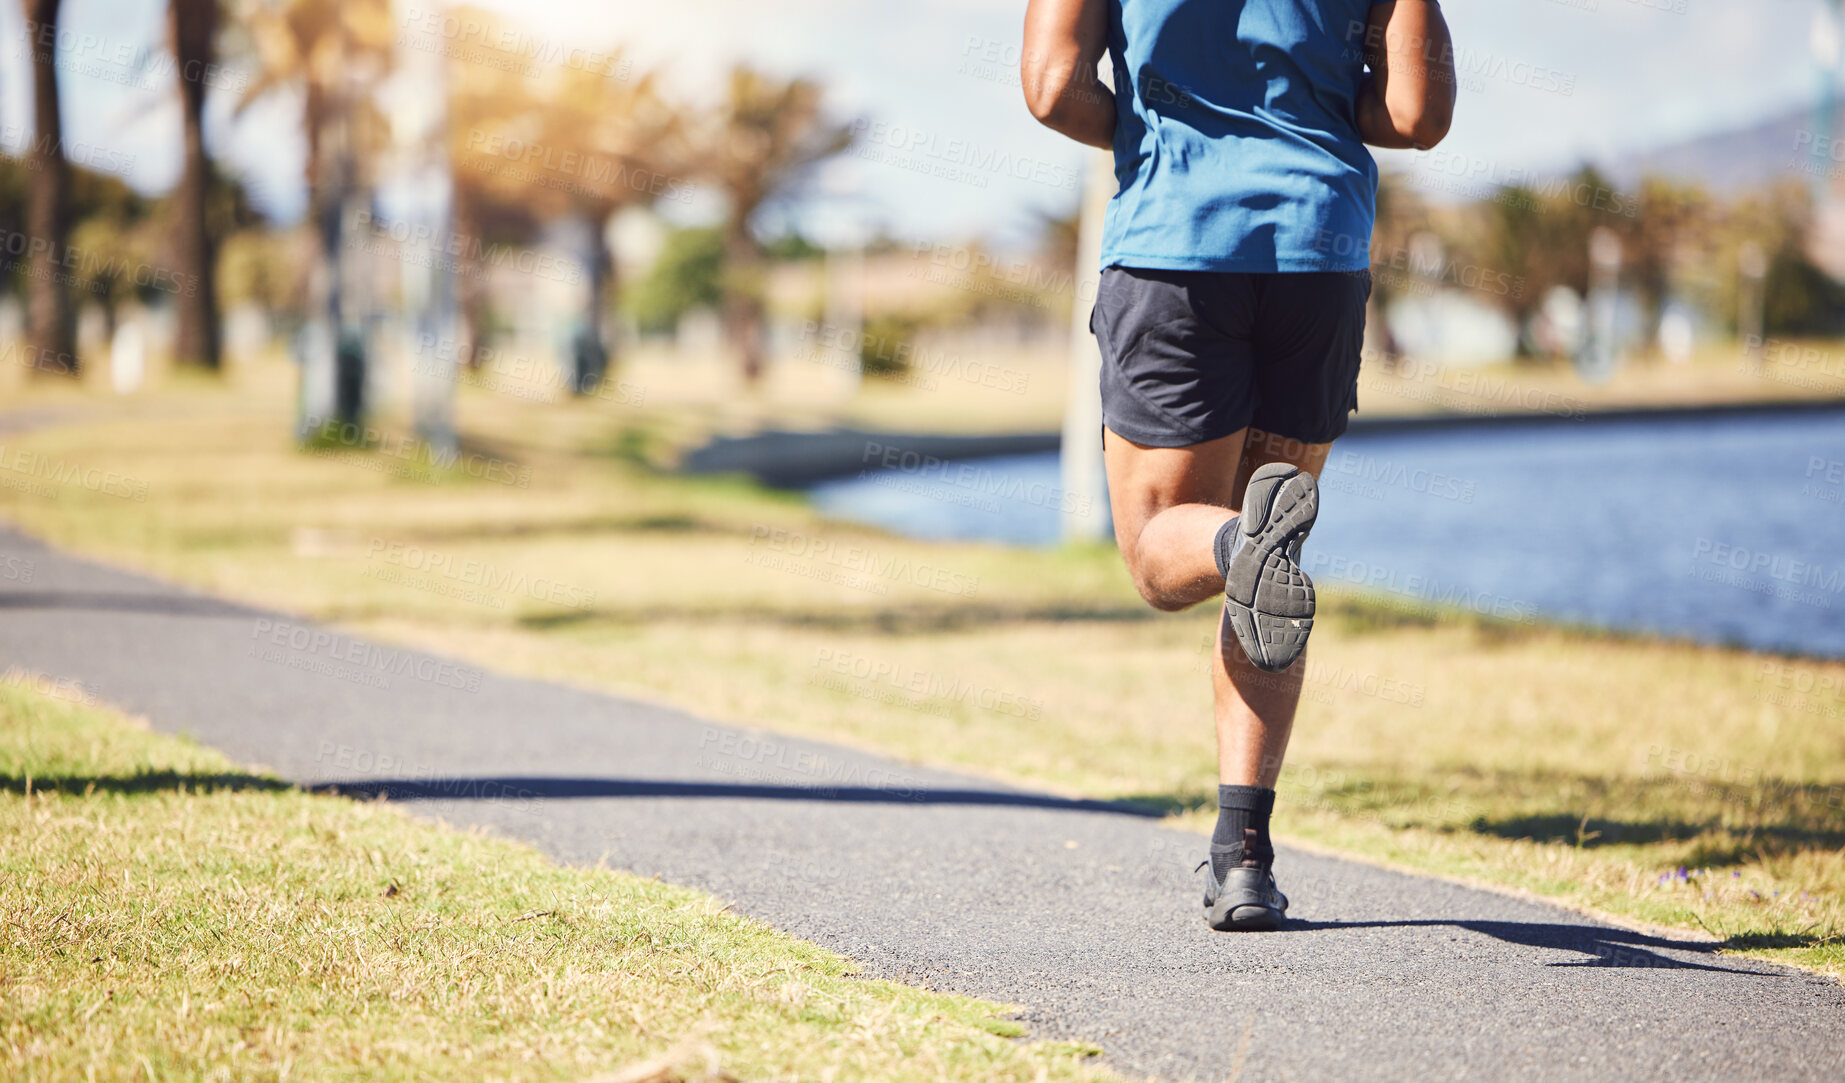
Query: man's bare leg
x,y
1169,506
1255,710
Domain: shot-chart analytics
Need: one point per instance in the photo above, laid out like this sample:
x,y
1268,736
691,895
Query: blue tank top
x,y
1236,142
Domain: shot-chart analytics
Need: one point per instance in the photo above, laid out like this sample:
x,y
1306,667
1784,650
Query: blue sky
x,y
951,152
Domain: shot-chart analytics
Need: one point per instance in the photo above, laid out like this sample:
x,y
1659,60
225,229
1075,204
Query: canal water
x,y
1727,529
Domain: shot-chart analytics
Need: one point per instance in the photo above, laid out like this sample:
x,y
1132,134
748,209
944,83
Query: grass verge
x,y
1673,783
169,915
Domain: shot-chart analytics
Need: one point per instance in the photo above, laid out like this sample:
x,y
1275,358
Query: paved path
x,y
1084,913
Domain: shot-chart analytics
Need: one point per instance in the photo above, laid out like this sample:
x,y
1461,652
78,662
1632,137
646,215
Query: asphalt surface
x,y
1086,914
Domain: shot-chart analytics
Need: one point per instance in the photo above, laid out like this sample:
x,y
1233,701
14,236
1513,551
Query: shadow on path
x,y
895,792
173,605
1604,946
143,782
1608,946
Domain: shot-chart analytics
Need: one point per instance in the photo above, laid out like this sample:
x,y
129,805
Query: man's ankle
x,y
1242,828
1228,540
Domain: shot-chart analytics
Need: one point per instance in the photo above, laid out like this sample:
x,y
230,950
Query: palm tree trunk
x,y
470,281
193,24
50,335
592,358
743,314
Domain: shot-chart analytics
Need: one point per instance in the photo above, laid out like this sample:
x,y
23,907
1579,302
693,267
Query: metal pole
x,y
1826,50
1752,270
1085,485
429,278
1597,360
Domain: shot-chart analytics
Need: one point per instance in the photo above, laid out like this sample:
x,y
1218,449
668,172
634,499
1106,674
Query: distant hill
x,y
1730,161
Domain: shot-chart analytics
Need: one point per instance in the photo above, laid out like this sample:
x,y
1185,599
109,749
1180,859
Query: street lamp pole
x,y
1826,51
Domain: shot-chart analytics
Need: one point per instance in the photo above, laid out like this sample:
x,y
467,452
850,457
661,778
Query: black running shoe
x,y
1268,597
1245,900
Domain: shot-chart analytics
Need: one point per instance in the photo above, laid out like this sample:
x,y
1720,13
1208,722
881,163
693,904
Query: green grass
x,y
1582,766
167,915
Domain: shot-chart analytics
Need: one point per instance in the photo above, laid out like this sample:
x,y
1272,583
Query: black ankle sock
x,y
1229,536
1242,827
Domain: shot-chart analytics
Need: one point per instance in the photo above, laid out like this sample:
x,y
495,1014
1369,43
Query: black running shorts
x,y
1191,356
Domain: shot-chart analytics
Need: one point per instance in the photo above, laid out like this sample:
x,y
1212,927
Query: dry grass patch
x,y
169,915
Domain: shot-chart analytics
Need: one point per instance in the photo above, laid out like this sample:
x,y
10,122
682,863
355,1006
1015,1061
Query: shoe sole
x,y
1247,919
1268,597
1246,911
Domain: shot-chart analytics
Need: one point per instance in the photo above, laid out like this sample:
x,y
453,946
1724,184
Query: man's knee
x,y
1160,596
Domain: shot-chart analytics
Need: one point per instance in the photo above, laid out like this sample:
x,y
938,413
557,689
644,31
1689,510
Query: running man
x,y
1231,316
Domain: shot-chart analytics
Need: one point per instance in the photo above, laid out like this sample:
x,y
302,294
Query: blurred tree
x,y
491,104
615,141
50,331
792,247
1671,228
110,224
265,267
1527,235
687,274
1401,214
1057,235
1800,299
15,184
89,194
193,27
761,142
334,55
887,345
